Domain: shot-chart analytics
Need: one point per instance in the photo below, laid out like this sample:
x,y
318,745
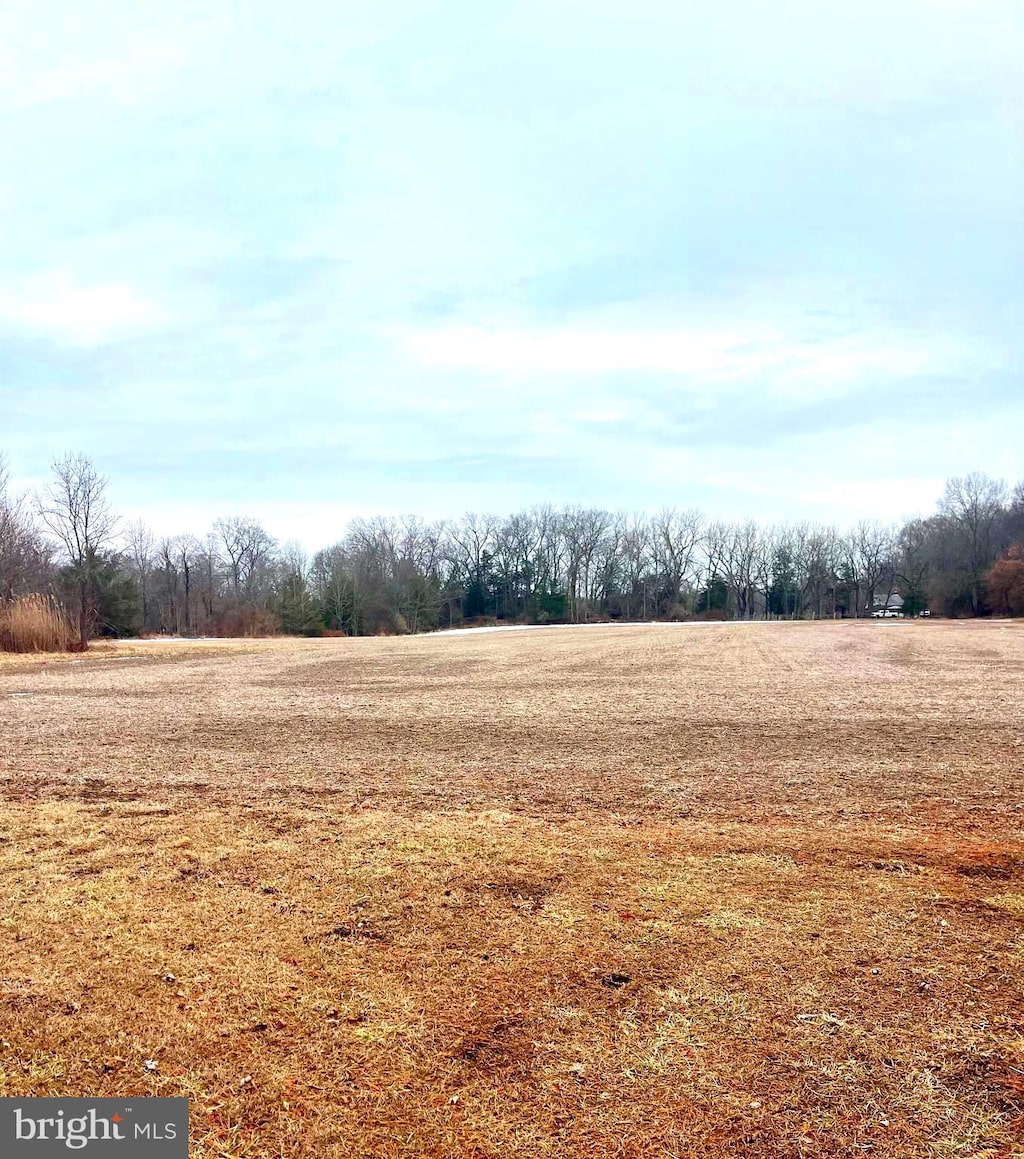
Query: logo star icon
x,y
116,1118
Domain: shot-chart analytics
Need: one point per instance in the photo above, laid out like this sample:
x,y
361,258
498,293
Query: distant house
x,y
890,604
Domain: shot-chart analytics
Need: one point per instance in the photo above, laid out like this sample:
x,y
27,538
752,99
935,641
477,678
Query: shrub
x,y
36,623
1004,583
247,620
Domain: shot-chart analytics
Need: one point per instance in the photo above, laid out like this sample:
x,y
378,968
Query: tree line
x,y
544,565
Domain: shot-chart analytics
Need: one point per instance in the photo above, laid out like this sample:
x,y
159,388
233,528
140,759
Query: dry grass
x,y
35,624
156,651
696,891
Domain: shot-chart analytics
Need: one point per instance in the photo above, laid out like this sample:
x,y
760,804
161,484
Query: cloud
x,y
786,364
53,304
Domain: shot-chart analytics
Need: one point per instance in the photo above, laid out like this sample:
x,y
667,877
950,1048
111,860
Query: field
x,y
697,890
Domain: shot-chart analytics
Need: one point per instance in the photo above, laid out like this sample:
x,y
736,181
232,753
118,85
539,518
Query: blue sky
x,y
315,260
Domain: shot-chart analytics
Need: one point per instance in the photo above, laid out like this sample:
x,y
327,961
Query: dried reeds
x,y
35,623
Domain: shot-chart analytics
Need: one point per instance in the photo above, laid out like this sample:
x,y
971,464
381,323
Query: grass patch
x,y
35,623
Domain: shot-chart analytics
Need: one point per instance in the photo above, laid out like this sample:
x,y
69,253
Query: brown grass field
x,y
702,890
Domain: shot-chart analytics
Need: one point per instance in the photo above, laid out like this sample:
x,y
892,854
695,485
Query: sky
x,y
317,260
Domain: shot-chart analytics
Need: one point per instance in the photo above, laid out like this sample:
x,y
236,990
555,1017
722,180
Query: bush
x,y
247,620
1004,583
36,624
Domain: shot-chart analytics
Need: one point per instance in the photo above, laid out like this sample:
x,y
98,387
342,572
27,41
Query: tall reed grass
x,y
35,623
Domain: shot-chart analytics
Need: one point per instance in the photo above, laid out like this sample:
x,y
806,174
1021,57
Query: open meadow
x,y
691,890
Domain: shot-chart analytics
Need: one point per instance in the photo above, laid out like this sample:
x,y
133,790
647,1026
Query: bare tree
x,y
473,538
469,547
548,551
74,509
913,558
714,549
676,536
248,548
741,550
763,569
582,530
334,583
973,503
1013,529
24,557
511,564
608,569
871,548
209,564
188,554
820,557
294,558
638,562
167,554
139,543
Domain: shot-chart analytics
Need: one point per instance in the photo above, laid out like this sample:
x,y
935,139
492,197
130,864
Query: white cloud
x,y
573,352
887,466
788,363
314,525
54,304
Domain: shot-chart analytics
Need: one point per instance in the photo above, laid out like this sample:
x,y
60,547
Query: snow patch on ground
x,y
565,627
445,631
177,639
